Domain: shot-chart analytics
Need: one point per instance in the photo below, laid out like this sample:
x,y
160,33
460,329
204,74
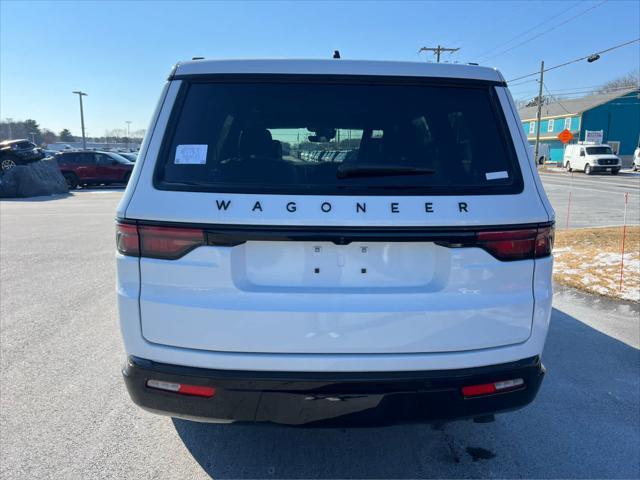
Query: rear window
x,y
340,137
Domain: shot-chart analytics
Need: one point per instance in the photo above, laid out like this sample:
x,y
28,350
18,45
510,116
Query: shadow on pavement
x,y
584,423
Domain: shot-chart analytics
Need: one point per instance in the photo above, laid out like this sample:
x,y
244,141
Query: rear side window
x,y
78,158
367,137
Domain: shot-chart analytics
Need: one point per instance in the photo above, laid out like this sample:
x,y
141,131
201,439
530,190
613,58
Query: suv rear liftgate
x,y
349,248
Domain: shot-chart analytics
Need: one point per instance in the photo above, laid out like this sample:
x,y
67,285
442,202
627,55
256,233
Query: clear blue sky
x,y
120,52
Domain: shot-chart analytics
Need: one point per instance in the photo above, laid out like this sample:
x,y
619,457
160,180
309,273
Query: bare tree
x,y
546,100
631,79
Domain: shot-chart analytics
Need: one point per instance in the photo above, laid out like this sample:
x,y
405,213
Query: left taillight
x,y
168,243
127,239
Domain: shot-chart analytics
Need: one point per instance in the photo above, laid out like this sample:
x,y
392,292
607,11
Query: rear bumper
x,y
331,399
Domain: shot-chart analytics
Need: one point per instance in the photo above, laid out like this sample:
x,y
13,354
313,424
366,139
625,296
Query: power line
x,y
545,21
527,97
577,59
556,101
571,89
582,92
586,88
522,83
546,31
564,92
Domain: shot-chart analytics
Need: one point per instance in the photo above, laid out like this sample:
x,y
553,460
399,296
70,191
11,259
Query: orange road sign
x,y
565,136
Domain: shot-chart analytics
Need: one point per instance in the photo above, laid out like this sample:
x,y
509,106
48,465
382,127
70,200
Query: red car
x,y
93,168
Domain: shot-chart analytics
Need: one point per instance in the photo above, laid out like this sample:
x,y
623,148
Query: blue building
x,y
617,114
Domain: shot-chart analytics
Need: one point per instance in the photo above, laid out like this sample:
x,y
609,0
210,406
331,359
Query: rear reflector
x,y
489,388
196,390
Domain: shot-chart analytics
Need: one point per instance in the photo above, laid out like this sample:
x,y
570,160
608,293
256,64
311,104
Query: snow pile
x,y
599,273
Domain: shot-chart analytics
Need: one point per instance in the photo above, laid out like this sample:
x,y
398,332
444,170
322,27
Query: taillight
x,y
127,240
517,244
167,243
544,241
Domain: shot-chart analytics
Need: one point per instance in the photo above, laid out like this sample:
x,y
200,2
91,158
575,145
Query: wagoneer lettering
x,y
327,207
339,250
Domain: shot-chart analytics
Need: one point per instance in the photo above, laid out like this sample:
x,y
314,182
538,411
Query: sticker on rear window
x,y
191,154
496,175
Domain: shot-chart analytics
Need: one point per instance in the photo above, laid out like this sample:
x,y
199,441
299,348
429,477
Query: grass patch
x,y
589,259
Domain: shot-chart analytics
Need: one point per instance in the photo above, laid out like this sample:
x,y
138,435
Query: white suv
x,y
408,281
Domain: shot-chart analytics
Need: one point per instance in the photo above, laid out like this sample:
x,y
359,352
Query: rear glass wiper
x,y
380,171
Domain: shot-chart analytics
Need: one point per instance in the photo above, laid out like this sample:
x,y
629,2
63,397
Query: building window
x,y
567,123
532,128
550,125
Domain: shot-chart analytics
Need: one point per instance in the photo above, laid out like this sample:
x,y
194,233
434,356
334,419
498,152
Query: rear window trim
x,y
515,188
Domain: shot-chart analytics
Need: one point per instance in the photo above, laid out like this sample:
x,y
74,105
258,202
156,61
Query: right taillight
x,y
544,241
168,243
522,244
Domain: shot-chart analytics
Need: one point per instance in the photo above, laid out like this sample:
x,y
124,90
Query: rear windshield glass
x,y
337,138
599,150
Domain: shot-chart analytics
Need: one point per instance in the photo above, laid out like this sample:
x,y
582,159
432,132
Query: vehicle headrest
x,y
255,142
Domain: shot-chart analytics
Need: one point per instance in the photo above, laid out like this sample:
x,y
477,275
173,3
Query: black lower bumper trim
x,y
331,399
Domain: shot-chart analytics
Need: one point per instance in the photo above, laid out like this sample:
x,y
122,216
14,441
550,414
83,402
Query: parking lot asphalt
x,y
596,200
64,412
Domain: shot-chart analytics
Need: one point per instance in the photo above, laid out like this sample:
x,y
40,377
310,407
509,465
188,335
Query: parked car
x,y
345,156
411,284
18,152
86,168
636,159
591,158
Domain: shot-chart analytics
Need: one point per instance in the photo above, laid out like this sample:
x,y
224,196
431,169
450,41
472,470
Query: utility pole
x,y
128,122
9,122
80,95
535,155
438,50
